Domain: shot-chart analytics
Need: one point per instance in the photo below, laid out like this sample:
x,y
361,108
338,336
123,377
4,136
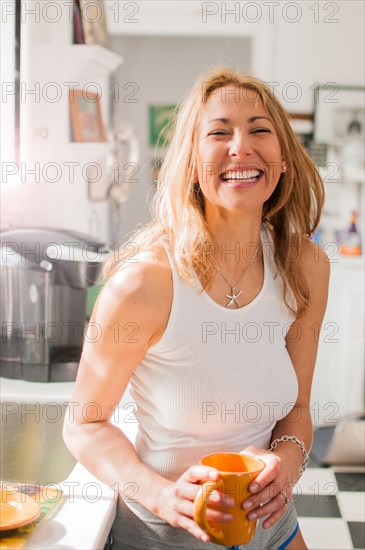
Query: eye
x,y
259,130
217,133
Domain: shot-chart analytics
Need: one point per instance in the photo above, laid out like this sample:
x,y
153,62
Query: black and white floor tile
x,y
330,504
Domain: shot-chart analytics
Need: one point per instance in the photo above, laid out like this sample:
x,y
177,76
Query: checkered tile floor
x,y
330,503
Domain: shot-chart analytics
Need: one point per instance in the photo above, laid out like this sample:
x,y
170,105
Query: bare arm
x,y
133,295
302,346
137,294
283,465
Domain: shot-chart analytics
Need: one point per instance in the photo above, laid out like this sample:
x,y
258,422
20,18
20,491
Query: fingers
x,y
274,507
267,475
184,493
189,492
200,473
218,497
266,494
266,507
177,514
193,528
274,517
268,489
188,489
186,508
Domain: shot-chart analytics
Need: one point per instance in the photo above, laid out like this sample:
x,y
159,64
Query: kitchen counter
x,y
22,391
83,521
85,518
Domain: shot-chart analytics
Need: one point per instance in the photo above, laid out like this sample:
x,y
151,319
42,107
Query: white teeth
x,y
246,175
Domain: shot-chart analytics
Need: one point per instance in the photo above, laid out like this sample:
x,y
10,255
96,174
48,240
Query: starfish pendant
x,y
233,297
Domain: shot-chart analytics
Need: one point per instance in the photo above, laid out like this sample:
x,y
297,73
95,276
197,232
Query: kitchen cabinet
x,y
338,384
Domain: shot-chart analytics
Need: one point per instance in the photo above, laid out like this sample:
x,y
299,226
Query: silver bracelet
x,y
274,444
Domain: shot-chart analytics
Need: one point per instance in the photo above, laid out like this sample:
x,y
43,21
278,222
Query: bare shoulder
x,y
315,263
129,315
141,285
142,269
312,261
315,266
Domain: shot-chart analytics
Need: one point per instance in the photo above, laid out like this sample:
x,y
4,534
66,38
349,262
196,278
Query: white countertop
x,y
85,518
30,392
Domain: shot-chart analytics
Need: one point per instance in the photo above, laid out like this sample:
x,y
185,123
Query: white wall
x,y
322,46
292,46
49,64
158,71
303,52
307,52
302,42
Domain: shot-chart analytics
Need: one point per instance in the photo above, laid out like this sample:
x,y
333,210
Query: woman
x,y
222,292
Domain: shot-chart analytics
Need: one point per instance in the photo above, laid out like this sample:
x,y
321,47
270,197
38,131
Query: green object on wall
x,y
92,294
159,116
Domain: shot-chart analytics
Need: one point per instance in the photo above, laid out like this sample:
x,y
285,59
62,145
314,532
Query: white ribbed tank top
x,y
218,379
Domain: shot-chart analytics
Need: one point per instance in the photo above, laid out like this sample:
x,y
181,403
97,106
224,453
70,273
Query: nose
x,y
240,145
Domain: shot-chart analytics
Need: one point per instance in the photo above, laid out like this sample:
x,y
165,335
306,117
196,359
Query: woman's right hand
x,y
176,502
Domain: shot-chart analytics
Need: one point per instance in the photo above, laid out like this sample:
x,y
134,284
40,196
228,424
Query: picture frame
x,y
336,107
94,23
86,118
159,116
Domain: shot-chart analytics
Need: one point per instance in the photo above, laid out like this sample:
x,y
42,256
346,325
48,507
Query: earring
x,y
284,168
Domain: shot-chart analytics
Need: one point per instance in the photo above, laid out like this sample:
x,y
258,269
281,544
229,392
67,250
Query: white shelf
x,y
94,60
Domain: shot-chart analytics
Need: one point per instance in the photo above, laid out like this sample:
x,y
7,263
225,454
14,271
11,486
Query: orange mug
x,y
236,471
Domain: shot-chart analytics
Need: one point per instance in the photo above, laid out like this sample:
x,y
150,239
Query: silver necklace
x,y
233,297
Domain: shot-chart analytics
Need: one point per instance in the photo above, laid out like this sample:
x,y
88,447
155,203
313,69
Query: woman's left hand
x,y
272,484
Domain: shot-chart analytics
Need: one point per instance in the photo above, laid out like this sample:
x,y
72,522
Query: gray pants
x,y
135,528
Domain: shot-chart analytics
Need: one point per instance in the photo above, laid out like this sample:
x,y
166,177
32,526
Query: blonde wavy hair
x,y
292,212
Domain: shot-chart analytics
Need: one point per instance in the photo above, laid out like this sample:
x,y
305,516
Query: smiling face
x,y
238,154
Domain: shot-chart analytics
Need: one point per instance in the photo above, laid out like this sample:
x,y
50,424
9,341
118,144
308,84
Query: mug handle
x,y
200,506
